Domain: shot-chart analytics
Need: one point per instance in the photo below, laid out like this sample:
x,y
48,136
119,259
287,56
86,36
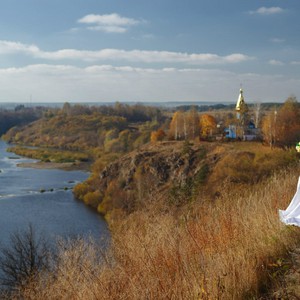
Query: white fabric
x,y
291,216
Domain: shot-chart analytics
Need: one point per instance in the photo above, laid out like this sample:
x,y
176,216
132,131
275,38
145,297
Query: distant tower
x,y
240,101
241,106
241,109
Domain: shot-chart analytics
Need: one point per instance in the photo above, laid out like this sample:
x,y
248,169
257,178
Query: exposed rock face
x,y
177,172
164,163
138,176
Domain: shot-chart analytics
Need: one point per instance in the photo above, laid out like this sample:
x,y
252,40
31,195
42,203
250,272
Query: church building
x,y
244,128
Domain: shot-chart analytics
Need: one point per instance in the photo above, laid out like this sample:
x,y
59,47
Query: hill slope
x,y
179,172
230,248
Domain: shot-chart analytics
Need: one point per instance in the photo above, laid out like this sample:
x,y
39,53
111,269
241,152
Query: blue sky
x,y
159,50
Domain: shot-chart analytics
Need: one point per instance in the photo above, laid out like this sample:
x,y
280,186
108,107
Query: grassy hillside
x,y
180,173
78,132
230,248
81,134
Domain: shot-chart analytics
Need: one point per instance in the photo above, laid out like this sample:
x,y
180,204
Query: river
x,y
53,213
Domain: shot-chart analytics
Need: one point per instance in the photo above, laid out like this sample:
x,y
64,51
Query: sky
x,y
149,51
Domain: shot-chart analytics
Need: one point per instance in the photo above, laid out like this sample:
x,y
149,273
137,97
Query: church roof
x,y
240,102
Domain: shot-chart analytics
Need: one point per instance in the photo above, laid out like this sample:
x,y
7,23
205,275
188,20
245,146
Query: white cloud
x,y
296,63
143,56
275,62
267,10
110,20
7,47
277,40
109,29
109,83
108,23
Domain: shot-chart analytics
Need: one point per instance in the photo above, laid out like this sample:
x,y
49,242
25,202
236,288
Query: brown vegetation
x,y
282,127
157,135
50,155
225,249
80,133
189,219
179,171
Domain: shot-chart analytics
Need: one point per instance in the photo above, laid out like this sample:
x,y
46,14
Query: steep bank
x,y
179,173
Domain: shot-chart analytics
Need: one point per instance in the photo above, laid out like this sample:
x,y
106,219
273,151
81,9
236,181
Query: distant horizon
x,y
146,103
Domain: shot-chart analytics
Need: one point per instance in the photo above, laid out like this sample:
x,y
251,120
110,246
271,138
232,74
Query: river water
x,y
54,213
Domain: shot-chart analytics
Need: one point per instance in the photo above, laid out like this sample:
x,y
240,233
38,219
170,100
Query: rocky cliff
x,y
177,172
174,170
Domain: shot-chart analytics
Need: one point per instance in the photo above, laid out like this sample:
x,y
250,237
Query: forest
x,y
19,116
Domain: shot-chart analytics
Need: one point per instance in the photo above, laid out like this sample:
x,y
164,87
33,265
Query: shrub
x,y
23,259
80,190
93,198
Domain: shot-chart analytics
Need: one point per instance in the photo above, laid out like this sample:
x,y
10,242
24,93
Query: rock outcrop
x,y
164,163
154,168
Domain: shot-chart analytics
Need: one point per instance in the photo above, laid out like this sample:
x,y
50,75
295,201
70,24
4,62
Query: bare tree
x,y
257,111
193,123
20,262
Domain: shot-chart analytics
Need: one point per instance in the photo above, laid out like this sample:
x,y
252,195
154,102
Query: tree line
x,y
275,125
19,116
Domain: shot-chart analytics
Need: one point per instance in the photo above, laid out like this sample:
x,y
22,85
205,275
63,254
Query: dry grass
x,y
208,250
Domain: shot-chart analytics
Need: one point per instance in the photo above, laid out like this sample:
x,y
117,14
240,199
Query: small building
x,y
230,132
244,129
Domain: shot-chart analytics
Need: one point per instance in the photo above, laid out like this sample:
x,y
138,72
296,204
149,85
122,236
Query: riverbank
x,y
67,166
50,155
42,196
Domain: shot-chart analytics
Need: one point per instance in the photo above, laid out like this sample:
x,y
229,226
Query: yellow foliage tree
x,y
288,123
184,125
157,135
177,126
282,128
208,125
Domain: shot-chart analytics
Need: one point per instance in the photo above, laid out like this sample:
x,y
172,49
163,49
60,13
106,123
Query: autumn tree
x,y
288,123
177,125
66,109
192,123
282,128
184,125
157,135
208,125
269,124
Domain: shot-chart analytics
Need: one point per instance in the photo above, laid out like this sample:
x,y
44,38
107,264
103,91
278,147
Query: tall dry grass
x,y
208,250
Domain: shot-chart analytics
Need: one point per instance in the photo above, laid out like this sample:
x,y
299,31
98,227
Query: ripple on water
x,y
55,212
